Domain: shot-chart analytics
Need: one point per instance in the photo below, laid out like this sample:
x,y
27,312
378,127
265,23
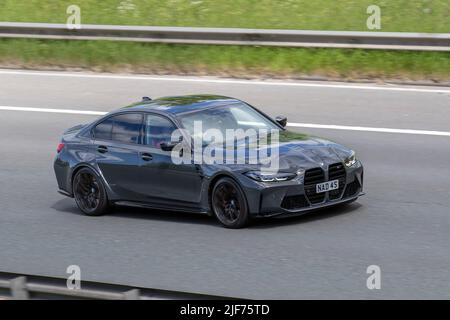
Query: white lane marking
x,y
370,129
47,110
223,81
290,124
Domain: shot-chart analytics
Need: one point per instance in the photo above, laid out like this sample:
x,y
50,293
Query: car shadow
x,y
66,205
69,206
319,214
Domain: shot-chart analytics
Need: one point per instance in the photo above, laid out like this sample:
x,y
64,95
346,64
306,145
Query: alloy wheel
x,y
87,192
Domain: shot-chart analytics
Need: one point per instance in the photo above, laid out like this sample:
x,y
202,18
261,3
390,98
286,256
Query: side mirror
x,y
168,146
281,120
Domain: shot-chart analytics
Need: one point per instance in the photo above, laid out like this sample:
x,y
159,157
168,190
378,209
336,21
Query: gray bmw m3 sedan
x,y
207,154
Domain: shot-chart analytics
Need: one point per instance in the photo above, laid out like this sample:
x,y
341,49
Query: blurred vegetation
x,y
397,15
224,60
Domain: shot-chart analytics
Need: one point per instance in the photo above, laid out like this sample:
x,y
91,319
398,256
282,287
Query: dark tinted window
x,y
122,128
103,130
158,130
127,128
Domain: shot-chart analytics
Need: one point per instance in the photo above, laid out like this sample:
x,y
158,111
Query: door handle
x,y
146,156
102,149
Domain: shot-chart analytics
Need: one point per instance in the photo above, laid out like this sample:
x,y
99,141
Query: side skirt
x,y
161,207
65,193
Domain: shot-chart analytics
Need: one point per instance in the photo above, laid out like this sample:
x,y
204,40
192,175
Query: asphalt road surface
x,y
402,225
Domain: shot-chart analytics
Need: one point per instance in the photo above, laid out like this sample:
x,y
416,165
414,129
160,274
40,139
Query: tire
x,y
89,193
229,204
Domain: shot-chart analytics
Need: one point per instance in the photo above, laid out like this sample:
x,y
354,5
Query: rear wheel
x,y
89,193
229,204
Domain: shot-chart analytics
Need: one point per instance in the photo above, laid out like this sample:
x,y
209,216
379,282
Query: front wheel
x,y
89,193
229,204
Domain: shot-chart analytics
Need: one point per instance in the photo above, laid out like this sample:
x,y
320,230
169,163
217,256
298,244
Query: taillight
x,y
60,147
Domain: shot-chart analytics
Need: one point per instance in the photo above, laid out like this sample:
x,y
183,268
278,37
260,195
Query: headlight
x,y
350,160
270,177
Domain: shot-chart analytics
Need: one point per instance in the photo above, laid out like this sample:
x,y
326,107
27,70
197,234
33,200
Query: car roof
x,y
183,104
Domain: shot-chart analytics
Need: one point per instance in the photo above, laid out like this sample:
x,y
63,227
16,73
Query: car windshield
x,y
236,116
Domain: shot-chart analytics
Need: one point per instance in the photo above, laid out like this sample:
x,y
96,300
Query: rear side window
x,y
125,128
158,130
103,130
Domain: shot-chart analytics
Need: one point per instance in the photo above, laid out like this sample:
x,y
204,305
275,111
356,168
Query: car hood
x,y
310,153
299,151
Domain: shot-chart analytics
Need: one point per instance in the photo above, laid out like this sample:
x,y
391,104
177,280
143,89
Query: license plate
x,y
327,186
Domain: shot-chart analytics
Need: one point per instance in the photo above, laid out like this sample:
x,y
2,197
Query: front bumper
x,y
293,213
294,197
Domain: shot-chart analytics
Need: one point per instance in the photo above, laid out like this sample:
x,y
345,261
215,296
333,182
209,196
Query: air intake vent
x,y
352,189
294,202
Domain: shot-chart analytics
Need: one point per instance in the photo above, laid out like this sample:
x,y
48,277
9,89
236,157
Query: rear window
x,y
126,128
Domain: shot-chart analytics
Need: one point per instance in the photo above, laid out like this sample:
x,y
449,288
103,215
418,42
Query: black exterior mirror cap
x,y
168,146
281,120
